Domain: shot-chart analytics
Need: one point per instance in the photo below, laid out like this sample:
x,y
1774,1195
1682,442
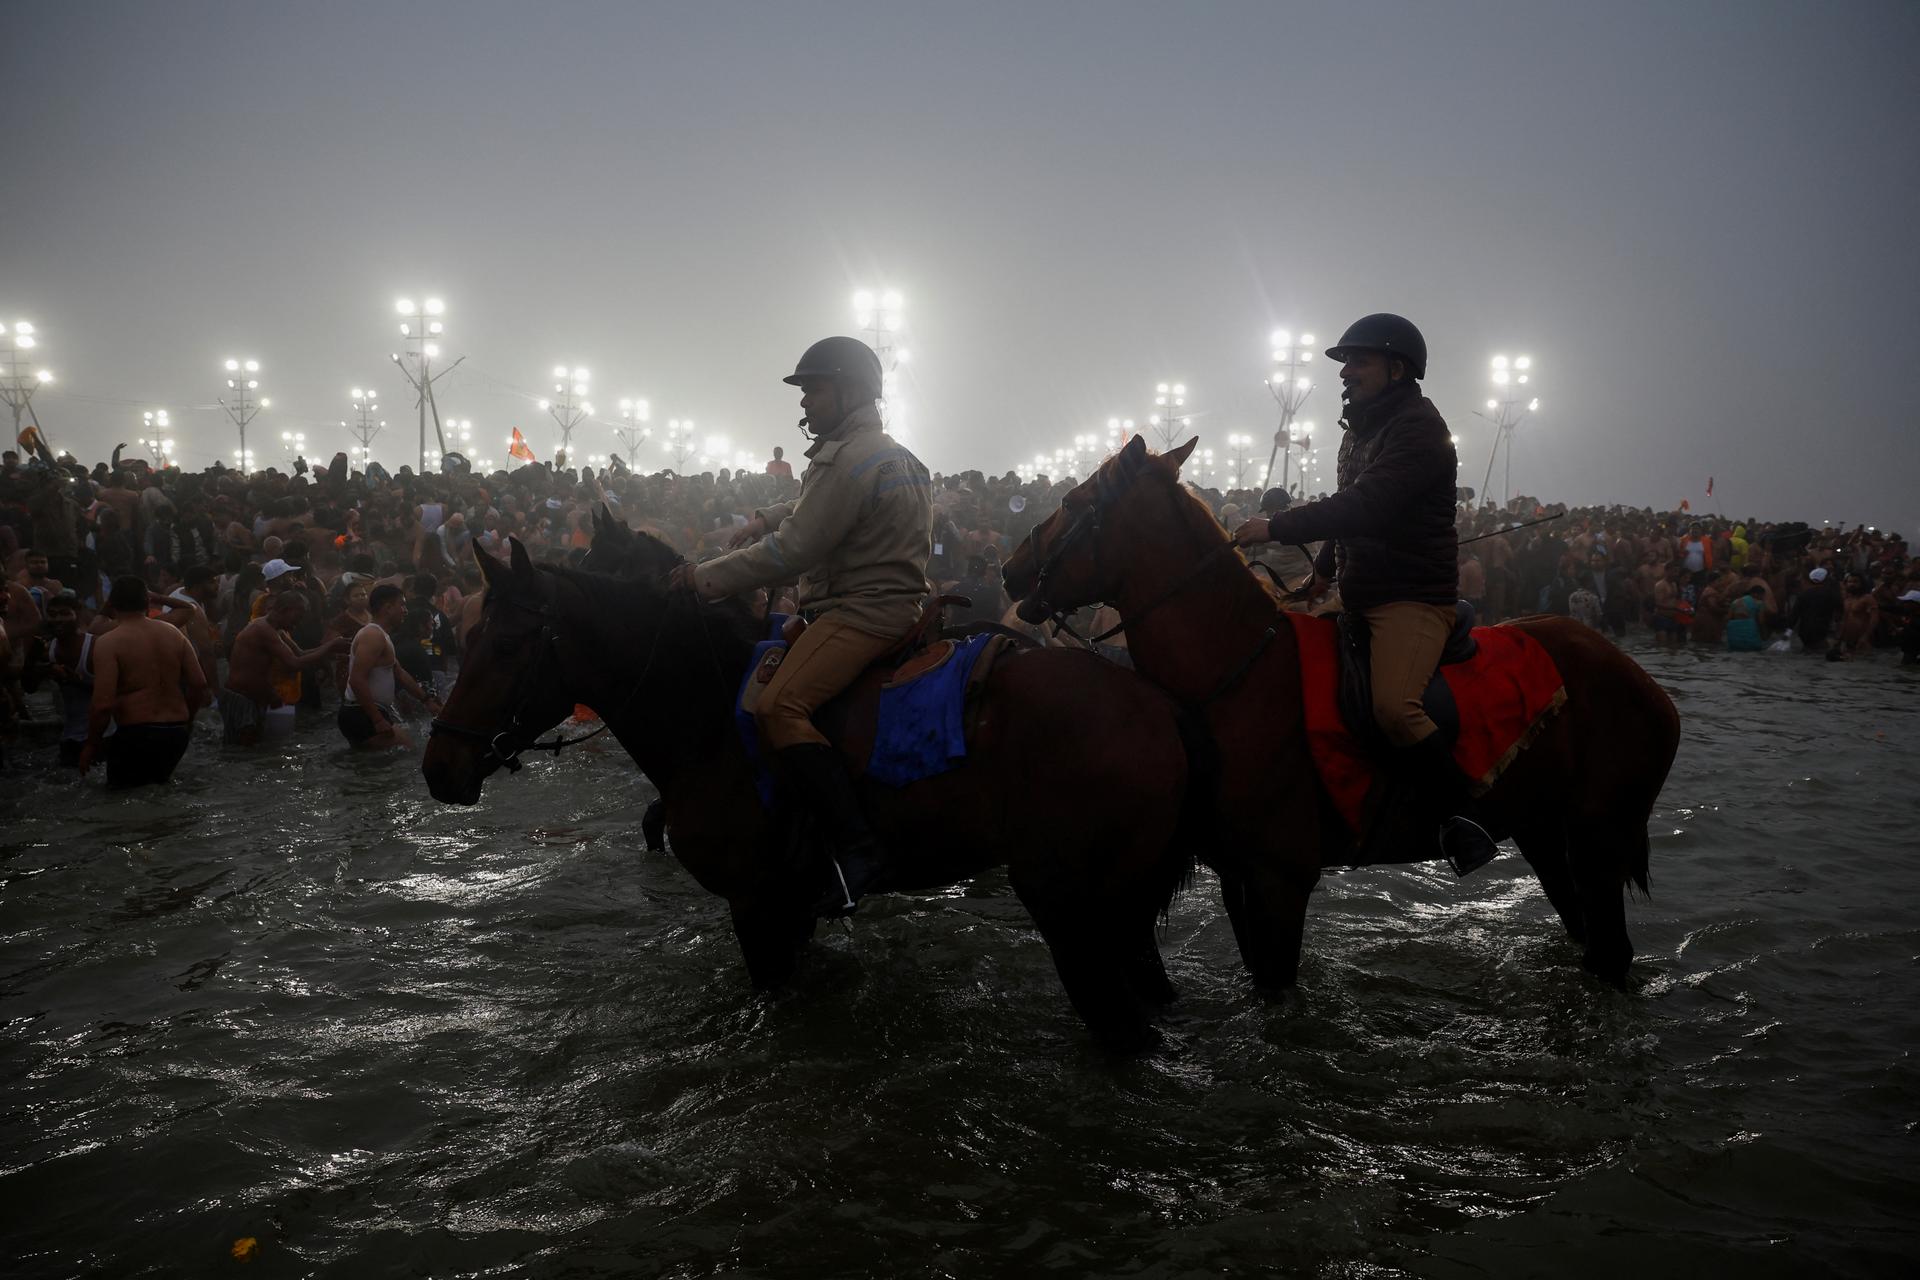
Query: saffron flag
x,y
1685,505
1709,486
518,449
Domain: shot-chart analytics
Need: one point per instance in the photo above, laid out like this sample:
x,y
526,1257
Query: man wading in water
x,y
1391,527
858,538
367,717
140,669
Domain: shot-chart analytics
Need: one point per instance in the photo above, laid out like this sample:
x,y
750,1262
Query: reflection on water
x,y
293,998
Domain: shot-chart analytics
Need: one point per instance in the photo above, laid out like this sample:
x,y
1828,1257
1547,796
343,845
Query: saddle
x,y
906,717
1356,678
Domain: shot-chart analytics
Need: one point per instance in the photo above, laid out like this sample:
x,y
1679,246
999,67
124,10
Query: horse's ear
x,y
522,562
1177,458
599,517
490,568
1136,450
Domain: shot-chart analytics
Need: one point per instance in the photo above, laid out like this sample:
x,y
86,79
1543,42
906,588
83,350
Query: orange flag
x,y
518,449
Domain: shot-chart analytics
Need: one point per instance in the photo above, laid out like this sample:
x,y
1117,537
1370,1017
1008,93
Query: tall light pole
x,y
1510,404
883,318
365,426
1239,456
1170,420
679,442
570,406
423,326
19,382
1289,388
241,406
633,430
157,441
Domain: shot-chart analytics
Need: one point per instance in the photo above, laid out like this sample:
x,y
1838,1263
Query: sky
x,y
1696,218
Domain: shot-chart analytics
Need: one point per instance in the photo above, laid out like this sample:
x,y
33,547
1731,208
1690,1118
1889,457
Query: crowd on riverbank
x,y
216,549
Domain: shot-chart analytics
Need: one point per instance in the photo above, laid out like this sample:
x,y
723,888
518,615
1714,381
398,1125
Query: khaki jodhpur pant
x,y
1407,640
828,656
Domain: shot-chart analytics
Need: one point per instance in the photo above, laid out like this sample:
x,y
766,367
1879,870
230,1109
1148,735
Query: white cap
x,y
1818,575
276,568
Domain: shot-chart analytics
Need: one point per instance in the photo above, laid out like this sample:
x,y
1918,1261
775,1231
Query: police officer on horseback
x,y
1390,531
858,539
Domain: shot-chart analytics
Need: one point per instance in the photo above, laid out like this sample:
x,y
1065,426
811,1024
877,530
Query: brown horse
x,y
663,669
1200,625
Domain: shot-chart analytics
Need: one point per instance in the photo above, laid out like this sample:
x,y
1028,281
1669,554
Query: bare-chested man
x,y
263,671
40,584
367,717
1860,613
147,682
188,611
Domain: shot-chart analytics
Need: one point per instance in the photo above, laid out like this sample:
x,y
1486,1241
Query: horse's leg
x,y
1092,967
1268,910
1597,852
770,934
1545,849
1146,971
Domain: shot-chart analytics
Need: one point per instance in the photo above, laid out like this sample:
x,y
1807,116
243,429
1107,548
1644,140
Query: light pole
x,y
571,408
679,442
422,326
1289,388
1169,413
1239,446
365,426
157,442
882,317
1510,405
633,430
240,405
19,382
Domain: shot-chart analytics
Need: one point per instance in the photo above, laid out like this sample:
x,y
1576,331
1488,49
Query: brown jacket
x,y
857,538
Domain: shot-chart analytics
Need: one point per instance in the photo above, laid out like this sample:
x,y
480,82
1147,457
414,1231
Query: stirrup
x,y
1466,845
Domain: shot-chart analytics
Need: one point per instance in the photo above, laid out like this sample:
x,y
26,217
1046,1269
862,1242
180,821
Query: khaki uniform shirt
x,y
857,538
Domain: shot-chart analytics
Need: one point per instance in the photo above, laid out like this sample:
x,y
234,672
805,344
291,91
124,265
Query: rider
x,y
1391,528
858,538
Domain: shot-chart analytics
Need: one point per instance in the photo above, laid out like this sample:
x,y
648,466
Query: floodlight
x,y
405,307
24,341
1500,362
435,306
233,366
23,326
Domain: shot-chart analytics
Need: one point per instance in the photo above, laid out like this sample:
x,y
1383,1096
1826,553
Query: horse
x,y
663,670
1200,625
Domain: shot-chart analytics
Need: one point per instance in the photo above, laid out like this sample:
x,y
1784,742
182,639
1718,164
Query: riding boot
x,y
823,785
1445,791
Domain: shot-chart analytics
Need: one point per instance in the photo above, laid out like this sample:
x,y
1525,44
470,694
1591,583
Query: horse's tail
x,y
1196,828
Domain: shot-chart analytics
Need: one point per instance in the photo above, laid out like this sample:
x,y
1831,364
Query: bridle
x,y
505,745
1106,491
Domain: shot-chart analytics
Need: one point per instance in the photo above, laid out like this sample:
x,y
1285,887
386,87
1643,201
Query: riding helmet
x,y
1388,334
847,358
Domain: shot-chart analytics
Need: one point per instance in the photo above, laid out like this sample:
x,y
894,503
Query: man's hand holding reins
x,y
1251,533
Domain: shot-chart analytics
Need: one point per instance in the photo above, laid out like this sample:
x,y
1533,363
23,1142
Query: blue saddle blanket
x,y
921,729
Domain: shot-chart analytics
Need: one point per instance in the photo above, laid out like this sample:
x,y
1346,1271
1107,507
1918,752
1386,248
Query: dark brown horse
x,y
663,669
1200,625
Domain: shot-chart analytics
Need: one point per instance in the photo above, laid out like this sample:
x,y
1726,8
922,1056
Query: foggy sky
x,y
1696,218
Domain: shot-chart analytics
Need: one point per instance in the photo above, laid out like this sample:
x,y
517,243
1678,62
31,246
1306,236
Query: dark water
x,y
294,999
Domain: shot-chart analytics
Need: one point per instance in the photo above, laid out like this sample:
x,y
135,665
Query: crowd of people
x,y
268,583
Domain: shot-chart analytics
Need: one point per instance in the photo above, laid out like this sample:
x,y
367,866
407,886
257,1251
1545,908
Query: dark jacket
x,y
1392,519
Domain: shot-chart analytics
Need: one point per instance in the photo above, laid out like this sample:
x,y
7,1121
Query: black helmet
x,y
847,358
1388,334
1275,500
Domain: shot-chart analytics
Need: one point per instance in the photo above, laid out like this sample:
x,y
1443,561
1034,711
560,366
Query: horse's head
x,y
513,682
621,552
1077,555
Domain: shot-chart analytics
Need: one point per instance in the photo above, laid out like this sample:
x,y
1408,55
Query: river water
x,y
294,1001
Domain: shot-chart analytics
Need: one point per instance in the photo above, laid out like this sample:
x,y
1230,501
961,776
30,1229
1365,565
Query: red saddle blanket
x,y
1504,693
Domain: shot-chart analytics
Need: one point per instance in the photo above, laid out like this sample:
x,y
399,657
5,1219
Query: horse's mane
x,y
627,599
